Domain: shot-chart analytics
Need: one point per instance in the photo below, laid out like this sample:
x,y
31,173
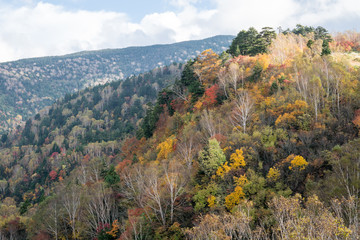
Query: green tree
x,y
302,30
264,39
212,157
244,42
110,176
251,42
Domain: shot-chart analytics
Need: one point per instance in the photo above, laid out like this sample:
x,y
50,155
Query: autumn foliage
x,y
256,146
210,98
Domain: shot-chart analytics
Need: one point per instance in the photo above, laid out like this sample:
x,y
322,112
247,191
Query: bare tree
x,y
94,169
135,185
208,124
156,189
186,150
243,111
338,78
302,82
324,67
223,83
82,173
100,206
234,74
51,215
230,77
179,91
315,95
154,194
175,183
222,226
348,208
70,199
311,219
3,185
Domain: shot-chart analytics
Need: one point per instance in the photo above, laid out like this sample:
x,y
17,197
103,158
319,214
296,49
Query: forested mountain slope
x,y
258,146
100,116
28,85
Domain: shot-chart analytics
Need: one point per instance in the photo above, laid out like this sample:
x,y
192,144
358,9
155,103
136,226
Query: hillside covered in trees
x,y
28,85
258,145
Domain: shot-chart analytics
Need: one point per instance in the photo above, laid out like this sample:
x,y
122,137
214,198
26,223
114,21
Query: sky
x,y
35,28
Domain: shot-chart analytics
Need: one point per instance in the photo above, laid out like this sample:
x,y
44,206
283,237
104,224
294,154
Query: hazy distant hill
x,y
28,85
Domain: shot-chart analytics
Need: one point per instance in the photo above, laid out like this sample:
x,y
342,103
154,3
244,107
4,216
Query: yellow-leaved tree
x,y
165,148
235,197
211,201
297,163
273,174
236,161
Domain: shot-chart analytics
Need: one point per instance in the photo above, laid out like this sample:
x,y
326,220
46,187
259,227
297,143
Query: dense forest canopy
x,y
260,142
28,85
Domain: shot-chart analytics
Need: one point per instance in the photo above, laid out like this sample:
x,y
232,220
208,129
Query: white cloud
x,y
47,29
243,14
40,29
323,12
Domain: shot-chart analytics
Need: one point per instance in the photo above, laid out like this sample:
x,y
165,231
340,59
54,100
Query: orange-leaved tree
x,y
207,67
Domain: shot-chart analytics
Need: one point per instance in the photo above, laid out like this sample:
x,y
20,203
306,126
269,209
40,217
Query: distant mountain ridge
x,y
28,85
